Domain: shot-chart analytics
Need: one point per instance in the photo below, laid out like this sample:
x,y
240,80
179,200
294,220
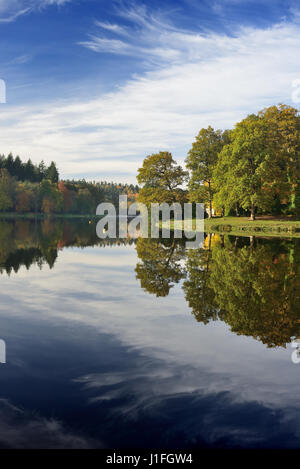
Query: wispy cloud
x,y
114,28
192,80
150,37
20,59
10,10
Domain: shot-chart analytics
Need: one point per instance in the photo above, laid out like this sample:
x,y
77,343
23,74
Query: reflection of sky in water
x,y
92,360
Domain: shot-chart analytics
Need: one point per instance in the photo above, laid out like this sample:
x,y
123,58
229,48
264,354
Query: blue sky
x,y
96,85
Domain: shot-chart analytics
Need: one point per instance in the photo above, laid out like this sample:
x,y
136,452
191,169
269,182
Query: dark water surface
x,y
124,344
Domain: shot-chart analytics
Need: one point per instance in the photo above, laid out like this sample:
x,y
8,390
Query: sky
x,y
97,85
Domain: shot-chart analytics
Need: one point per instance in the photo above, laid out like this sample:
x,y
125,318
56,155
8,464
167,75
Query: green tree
x,y
85,201
42,171
7,190
18,169
201,161
51,198
162,179
246,168
52,173
283,134
10,164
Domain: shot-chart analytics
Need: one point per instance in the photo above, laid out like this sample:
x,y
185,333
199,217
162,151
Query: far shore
x,y
264,225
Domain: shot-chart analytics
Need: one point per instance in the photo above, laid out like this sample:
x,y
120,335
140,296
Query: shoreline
x,y
235,226
242,226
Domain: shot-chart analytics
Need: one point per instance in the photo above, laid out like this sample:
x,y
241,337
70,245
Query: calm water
x,y
145,345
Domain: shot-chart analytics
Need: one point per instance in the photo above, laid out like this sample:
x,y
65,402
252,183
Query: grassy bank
x,y
242,226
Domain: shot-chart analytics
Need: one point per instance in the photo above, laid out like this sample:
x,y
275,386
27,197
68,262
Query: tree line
x,y
251,169
26,187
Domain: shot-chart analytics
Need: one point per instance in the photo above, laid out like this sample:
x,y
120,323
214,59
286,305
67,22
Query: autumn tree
x,y
201,161
67,196
23,198
283,136
246,168
51,197
161,178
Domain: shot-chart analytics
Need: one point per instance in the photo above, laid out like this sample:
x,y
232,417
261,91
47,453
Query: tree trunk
x,y
237,210
210,204
252,217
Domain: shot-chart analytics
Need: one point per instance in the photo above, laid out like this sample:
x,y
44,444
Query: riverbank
x,y
242,226
237,226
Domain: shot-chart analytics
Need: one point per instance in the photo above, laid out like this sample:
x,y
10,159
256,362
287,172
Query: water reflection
x,y
93,360
161,264
252,285
32,242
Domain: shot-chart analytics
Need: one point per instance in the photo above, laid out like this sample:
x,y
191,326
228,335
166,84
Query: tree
x,y
29,171
23,198
42,171
52,173
201,161
18,169
7,190
10,164
67,195
246,168
85,201
51,197
283,134
161,178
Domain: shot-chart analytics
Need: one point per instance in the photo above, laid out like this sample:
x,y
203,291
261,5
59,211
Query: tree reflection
x,y
253,287
161,265
32,242
251,284
257,289
198,291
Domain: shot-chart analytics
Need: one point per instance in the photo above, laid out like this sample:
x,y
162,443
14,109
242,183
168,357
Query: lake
x,y
124,343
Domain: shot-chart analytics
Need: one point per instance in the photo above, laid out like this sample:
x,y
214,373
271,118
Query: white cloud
x,y
115,28
10,10
193,80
